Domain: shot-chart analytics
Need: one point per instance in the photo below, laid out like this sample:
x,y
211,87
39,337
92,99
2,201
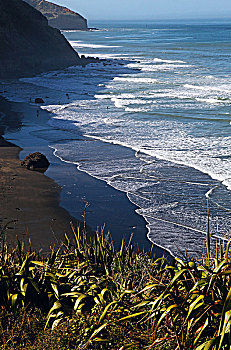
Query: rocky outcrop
x,y
28,45
38,100
36,161
58,16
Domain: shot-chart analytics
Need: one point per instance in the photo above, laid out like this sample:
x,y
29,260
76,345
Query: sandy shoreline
x,y
29,200
48,205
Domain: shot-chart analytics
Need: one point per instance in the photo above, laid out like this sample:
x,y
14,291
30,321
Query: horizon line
x,y
164,19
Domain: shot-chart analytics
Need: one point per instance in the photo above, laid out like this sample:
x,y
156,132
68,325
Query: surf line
x,y
207,195
184,226
163,179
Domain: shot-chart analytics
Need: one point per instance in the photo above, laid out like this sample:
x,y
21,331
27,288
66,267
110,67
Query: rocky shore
x,y
29,45
58,16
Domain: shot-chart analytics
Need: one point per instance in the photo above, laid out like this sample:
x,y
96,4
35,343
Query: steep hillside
x,y
58,16
28,45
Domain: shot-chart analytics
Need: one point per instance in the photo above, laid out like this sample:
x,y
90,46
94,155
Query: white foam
x,y
173,142
107,56
111,96
136,80
80,44
203,164
56,108
166,140
135,110
111,121
212,100
148,66
118,102
124,102
104,96
167,61
125,95
163,67
209,87
137,101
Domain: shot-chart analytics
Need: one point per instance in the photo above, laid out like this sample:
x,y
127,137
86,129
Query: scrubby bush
x,y
84,295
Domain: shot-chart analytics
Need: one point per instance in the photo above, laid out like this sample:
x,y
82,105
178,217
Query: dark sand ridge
x,y
29,202
38,196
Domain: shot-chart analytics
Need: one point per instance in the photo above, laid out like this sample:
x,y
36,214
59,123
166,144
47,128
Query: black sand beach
x,y
53,204
29,200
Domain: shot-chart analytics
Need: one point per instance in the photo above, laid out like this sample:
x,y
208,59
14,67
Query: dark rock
x,y
28,46
38,100
58,16
36,161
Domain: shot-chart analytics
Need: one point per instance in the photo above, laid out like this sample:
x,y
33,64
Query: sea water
x,y
163,91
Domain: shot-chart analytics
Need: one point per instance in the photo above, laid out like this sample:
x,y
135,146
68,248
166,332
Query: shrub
x,y
84,295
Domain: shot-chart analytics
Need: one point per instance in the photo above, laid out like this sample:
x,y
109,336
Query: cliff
x,y
28,45
58,16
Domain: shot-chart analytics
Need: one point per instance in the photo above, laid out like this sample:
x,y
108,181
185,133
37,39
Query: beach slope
x,y
29,202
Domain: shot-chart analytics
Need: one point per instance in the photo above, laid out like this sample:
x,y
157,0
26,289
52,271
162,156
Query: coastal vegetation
x,y
85,295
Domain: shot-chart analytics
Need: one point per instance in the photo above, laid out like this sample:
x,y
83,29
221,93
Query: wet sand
x,y
29,202
41,205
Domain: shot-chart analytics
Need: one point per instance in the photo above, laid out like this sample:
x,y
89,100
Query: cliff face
x,y
58,16
28,45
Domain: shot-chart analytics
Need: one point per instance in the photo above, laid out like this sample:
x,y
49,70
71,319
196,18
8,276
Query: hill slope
x,y
58,16
28,45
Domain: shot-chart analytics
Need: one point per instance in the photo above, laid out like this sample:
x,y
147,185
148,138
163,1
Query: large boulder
x,y
39,100
36,161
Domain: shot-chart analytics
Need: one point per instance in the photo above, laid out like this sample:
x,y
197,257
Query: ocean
x,y
154,119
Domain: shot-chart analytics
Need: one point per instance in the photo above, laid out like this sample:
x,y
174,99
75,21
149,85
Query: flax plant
x,y
86,295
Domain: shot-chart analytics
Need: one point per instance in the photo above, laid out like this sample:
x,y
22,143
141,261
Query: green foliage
x,y
84,295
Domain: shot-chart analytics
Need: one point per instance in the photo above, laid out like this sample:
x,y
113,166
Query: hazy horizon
x,y
149,9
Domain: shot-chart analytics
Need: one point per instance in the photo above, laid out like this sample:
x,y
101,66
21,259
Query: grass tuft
x,y
84,295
